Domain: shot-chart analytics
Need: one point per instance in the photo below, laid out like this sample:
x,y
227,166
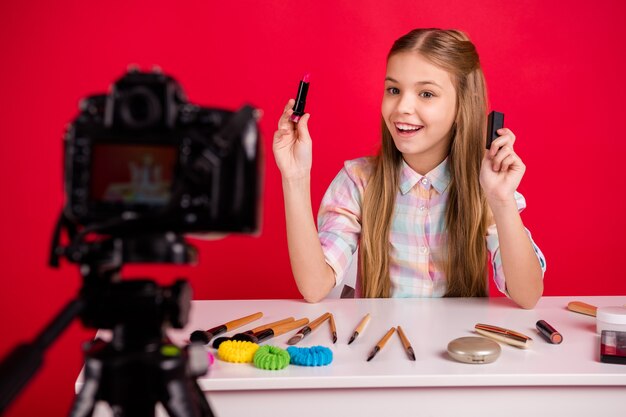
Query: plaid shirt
x,y
417,237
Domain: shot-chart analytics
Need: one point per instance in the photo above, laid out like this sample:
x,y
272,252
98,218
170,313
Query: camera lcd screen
x,y
132,174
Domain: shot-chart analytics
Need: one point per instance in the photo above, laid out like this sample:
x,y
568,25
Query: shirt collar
x,y
439,177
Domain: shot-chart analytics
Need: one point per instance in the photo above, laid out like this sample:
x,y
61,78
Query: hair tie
x,y
271,358
310,356
237,351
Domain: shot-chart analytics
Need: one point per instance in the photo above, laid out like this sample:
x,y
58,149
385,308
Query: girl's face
x,y
419,108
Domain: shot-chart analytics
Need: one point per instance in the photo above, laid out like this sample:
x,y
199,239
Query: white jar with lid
x,y
611,318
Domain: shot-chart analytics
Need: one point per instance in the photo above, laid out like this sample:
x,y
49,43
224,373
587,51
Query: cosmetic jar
x,y
611,318
474,350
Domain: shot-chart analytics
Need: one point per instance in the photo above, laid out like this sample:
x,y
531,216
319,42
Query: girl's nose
x,y
406,104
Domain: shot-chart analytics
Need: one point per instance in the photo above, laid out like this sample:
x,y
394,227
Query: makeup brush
x,y
381,344
308,329
217,342
359,329
273,331
333,328
205,336
407,345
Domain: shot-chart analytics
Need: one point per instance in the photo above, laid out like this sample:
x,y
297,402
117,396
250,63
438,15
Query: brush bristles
x,y
295,339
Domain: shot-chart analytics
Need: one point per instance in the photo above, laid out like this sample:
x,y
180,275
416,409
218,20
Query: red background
x,y
557,71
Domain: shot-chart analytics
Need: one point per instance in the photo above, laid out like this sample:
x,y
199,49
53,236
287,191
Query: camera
x,y
143,152
143,166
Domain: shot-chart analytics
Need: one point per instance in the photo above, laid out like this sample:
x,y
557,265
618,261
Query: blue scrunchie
x,y
310,356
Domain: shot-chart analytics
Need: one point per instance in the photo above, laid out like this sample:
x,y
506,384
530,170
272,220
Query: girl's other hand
x,y
292,145
502,169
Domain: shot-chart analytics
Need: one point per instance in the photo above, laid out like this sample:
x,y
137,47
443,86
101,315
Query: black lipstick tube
x,y
549,333
298,108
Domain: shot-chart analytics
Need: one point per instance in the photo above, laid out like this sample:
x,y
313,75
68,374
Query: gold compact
x,y
473,349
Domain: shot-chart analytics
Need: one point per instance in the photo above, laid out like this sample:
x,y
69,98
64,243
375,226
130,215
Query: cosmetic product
x,y
407,345
548,332
205,336
495,121
474,350
582,308
308,329
504,335
611,318
271,332
359,329
216,343
333,328
381,344
303,89
613,347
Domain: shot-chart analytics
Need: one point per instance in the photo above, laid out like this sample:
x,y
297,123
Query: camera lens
x,y
140,108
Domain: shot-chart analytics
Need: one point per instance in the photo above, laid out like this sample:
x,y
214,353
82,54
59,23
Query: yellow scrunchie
x,y
237,351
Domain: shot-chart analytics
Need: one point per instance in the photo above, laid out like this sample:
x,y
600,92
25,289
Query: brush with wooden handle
x,y
381,344
308,329
217,342
273,331
205,336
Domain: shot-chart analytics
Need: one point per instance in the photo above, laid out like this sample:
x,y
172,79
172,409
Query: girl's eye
x,y
393,90
427,94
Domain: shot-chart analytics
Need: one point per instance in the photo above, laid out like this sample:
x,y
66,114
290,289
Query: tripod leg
x,y
202,402
85,400
180,394
185,399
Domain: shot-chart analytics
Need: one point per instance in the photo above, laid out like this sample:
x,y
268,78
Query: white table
x,y
566,379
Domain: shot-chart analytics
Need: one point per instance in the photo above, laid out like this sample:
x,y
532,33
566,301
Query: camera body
x,y
144,152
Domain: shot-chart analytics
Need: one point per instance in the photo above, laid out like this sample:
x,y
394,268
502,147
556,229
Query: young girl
x,y
426,210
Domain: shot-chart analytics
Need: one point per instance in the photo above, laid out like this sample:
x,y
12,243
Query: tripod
x,y
139,367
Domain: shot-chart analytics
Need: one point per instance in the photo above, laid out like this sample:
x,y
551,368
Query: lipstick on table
x,y
381,344
308,329
206,336
407,345
303,89
359,329
549,332
504,335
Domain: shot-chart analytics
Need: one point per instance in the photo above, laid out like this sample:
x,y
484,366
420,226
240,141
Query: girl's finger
x,y
501,142
284,118
507,162
303,127
504,152
506,131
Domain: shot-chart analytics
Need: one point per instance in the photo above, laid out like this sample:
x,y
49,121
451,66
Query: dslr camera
x,y
144,156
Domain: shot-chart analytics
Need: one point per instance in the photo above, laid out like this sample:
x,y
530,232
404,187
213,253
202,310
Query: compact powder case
x,y
474,350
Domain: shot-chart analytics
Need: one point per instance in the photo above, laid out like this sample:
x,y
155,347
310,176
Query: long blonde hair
x,y
466,211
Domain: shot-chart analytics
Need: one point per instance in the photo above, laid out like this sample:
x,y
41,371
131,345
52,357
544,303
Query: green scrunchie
x,y
271,358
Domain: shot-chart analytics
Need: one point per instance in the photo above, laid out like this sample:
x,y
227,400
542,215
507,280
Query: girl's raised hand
x,y
502,169
292,145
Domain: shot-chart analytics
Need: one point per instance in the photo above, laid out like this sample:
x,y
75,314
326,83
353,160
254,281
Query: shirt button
x,y
422,208
425,181
423,249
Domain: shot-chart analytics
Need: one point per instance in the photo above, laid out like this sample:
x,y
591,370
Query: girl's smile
x,y
407,130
